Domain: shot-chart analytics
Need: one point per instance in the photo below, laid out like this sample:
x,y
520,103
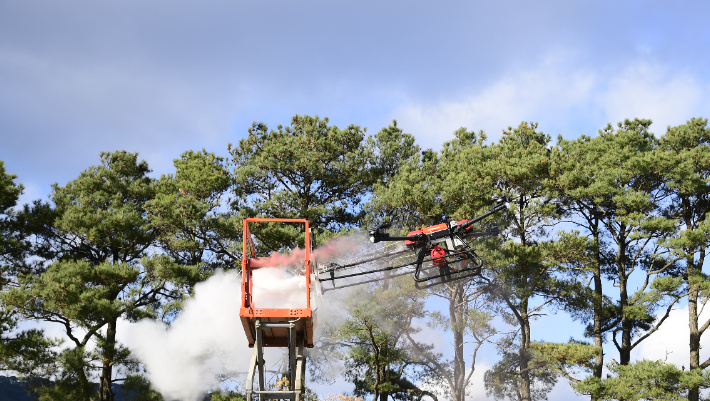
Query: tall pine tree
x,y
428,189
308,170
102,273
684,165
28,352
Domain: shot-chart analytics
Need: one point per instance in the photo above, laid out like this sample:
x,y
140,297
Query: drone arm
x,y
501,205
376,237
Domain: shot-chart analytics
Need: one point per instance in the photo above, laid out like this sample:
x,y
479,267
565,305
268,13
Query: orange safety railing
x,y
249,311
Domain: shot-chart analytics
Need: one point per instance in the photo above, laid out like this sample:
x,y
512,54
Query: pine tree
x,y
101,273
611,190
684,164
190,211
428,189
521,279
389,150
308,170
10,239
9,193
573,183
380,361
27,352
644,380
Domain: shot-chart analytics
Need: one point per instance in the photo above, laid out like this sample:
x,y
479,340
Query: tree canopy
x,y
611,229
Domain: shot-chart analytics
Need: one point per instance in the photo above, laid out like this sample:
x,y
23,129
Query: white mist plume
x,y
207,339
274,287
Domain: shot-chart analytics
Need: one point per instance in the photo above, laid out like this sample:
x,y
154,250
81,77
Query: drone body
x,y
437,254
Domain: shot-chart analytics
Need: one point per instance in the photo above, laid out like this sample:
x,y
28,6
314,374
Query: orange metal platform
x,y
249,312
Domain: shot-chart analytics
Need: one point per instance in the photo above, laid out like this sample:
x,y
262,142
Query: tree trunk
x,y
456,308
625,351
692,270
525,377
105,390
598,340
378,372
598,310
693,393
384,376
626,323
86,387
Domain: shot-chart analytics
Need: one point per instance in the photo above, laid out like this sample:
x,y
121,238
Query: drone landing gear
x,y
445,266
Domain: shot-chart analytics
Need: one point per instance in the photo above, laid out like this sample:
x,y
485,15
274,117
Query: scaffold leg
x,y
296,364
300,371
250,375
259,346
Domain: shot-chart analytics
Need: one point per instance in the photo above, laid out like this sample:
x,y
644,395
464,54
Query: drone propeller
x,y
376,234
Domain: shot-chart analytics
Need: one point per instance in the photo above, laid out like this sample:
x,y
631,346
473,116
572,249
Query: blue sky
x,y
161,77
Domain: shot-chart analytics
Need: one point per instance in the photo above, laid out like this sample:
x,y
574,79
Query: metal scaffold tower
x,y
290,328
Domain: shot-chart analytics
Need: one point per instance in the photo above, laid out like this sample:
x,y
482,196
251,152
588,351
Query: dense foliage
x,y
612,229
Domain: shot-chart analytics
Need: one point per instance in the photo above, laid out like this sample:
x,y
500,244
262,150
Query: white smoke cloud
x,y
207,341
275,288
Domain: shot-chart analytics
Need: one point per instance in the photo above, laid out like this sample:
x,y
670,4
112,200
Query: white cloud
x,y
525,96
650,91
477,391
31,193
670,342
53,330
562,391
428,335
564,99
476,388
